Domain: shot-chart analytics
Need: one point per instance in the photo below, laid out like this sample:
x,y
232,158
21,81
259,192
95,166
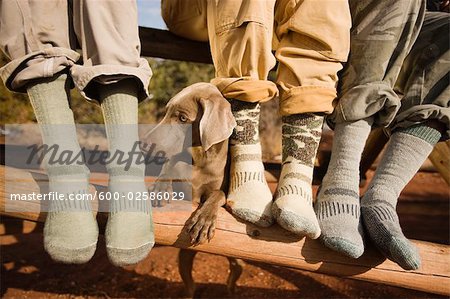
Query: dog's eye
x,y
182,118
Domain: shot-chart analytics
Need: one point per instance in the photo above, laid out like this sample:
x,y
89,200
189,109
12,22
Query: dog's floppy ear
x,y
217,122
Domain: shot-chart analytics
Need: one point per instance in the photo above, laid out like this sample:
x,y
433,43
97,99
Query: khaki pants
x,y
311,39
40,37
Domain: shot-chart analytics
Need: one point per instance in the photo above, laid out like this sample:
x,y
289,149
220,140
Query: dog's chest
x,y
208,171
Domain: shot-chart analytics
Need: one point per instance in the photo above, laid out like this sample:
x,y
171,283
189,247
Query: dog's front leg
x,y
202,224
162,185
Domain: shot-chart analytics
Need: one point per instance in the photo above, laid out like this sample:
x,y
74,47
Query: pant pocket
x,y
231,14
326,27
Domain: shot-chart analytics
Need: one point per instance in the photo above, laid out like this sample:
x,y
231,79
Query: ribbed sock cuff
x,y
247,116
127,87
424,132
58,82
237,105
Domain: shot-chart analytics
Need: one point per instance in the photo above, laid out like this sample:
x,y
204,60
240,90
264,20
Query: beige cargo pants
x,y
311,39
40,37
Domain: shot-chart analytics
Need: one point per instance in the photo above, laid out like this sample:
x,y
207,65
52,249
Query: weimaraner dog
x,y
202,106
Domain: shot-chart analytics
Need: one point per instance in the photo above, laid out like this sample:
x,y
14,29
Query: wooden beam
x,y
270,245
440,157
164,44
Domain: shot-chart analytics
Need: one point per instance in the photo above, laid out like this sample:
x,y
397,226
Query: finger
x,y
203,235
211,231
198,227
190,225
192,222
195,234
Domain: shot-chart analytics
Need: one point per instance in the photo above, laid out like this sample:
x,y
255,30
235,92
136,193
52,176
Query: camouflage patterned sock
x,y
293,207
405,153
249,196
337,205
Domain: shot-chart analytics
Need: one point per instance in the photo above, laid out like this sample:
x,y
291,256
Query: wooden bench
x,y
242,240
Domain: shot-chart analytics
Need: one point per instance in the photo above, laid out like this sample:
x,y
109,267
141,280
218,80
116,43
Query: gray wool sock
x,y
70,231
337,206
249,196
293,206
129,230
407,150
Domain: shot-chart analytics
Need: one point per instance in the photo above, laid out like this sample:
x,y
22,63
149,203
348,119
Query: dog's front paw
x,y
161,192
202,224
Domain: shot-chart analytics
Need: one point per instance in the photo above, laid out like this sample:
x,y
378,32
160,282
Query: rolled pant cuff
x,y
105,74
375,99
246,89
423,113
304,99
40,64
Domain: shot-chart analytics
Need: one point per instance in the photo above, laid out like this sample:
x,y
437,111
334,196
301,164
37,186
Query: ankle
x,y
301,135
246,115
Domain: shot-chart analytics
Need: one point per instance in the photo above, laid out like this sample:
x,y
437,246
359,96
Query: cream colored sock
x,y
70,231
293,206
129,230
249,196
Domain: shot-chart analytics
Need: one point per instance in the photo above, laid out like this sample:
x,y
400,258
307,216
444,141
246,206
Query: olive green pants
x,y
398,67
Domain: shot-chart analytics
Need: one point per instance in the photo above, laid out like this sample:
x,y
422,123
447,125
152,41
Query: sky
x,y
149,12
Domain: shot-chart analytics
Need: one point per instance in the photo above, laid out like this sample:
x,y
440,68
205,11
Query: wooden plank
x,y
440,157
17,226
164,44
270,245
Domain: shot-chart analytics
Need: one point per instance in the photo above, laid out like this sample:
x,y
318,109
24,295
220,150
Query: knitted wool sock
x,y
293,208
249,196
337,205
129,230
407,150
70,231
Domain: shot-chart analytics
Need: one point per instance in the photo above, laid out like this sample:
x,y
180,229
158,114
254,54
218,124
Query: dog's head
x,y
200,105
